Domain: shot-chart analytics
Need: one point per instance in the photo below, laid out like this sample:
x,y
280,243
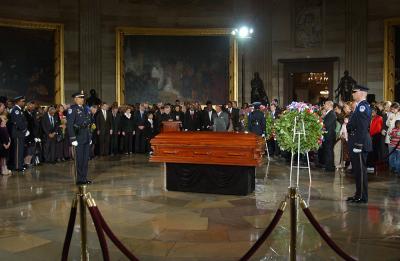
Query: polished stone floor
x,y
160,225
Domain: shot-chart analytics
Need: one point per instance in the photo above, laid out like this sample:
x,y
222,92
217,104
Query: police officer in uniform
x,y
256,121
78,126
360,143
19,130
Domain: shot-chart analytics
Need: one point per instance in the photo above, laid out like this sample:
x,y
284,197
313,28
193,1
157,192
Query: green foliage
x,y
269,126
313,128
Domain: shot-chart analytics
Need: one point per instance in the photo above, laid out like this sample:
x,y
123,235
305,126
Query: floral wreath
x,y
312,124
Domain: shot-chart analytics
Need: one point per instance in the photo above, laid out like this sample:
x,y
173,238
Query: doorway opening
x,y
310,87
309,80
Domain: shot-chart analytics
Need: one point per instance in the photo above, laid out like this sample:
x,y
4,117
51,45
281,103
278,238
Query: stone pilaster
x,y
356,39
90,45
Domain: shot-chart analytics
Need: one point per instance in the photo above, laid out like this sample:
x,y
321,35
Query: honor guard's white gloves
x,y
27,133
263,135
357,150
37,140
74,143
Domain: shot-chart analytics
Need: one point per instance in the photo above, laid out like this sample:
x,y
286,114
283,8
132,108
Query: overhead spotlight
x,y
243,32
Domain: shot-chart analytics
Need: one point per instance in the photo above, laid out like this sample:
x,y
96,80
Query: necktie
x,y
105,114
51,121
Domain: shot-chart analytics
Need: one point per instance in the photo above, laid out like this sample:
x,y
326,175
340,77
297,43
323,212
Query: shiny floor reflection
x,y
160,225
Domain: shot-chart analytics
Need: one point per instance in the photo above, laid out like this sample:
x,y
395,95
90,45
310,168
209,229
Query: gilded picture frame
x,y
58,30
389,58
124,31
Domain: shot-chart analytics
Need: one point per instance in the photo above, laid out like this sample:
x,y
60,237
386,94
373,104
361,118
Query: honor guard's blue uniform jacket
x,y
256,122
358,127
78,124
19,125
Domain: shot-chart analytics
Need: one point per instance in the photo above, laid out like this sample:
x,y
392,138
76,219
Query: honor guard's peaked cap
x,y
256,105
360,88
18,98
78,95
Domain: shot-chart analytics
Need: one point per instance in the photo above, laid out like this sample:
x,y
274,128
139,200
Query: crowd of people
x,y
31,134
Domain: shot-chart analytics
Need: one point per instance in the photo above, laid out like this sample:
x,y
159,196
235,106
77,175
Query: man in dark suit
x,y
329,136
19,130
49,130
103,125
207,118
360,143
256,121
168,115
273,147
233,112
140,117
115,130
192,120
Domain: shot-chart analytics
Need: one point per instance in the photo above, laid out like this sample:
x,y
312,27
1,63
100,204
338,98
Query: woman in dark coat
x,y
127,131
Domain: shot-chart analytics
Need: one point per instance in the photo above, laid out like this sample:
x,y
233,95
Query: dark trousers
x,y
50,149
114,144
104,143
140,141
359,165
17,153
82,161
328,155
273,148
62,149
128,142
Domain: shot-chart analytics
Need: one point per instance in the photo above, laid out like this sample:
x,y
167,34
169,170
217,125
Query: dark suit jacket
x,y
192,123
128,125
167,117
103,125
206,119
139,120
116,123
330,126
234,116
46,126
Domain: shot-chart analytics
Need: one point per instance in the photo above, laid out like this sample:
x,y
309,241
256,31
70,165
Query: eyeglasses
x,y
354,91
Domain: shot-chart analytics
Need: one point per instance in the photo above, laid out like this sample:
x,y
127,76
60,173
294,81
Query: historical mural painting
x,y
166,68
27,64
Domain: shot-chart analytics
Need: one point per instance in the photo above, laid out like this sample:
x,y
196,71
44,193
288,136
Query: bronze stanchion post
x,y
82,215
293,197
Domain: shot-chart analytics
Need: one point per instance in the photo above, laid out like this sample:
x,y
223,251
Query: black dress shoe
x,y
360,200
87,182
351,198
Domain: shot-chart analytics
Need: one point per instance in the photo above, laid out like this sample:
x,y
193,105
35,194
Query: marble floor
x,y
160,225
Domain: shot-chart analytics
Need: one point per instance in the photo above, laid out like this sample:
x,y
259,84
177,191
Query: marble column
x,y
356,39
90,45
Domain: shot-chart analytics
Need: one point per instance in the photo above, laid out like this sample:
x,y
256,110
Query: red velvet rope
x,y
100,234
68,236
325,236
264,236
113,238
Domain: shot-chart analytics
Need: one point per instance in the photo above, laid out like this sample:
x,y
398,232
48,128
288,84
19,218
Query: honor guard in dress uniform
x,y
19,130
256,121
78,126
360,143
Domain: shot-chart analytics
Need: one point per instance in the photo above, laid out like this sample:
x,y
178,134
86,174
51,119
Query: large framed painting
x,y
31,60
159,64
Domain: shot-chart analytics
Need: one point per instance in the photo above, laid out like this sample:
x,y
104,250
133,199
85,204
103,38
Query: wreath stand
x,y
298,132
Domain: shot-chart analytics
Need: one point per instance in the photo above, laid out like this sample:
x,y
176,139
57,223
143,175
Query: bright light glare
x,y
243,32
